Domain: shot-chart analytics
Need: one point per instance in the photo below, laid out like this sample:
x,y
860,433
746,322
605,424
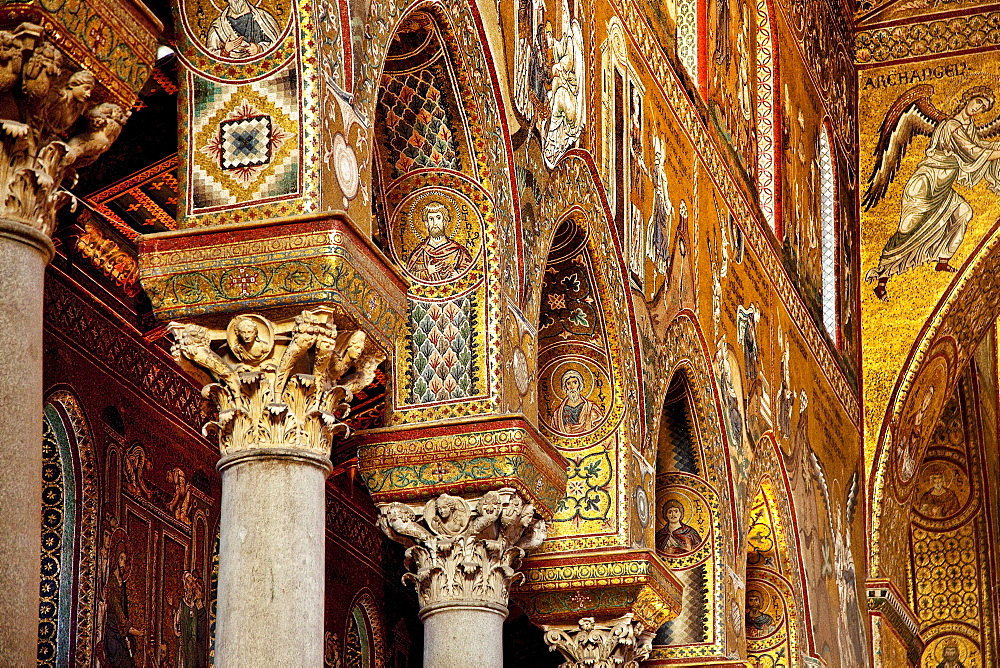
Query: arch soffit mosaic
x,y
936,360
77,426
776,493
465,40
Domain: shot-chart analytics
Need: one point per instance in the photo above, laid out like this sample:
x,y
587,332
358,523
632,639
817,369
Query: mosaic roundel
x,y
436,235
577,397
237,31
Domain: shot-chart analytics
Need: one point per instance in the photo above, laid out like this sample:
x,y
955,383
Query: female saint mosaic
x,y
933,216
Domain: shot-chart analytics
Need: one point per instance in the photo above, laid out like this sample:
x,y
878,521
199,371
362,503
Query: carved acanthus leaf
x,y
48,103
460,551
271,391
619,643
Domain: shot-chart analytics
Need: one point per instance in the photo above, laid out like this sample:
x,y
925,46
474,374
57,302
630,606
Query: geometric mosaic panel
x,y
246,142
417,129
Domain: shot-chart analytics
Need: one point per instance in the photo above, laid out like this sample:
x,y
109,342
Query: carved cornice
x,y
42,97
462,551
885,599
560,588
624,642
102,251
315,260
406,464
278,386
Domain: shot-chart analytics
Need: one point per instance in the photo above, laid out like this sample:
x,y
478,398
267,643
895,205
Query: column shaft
x,y
460,635
271,561
23,256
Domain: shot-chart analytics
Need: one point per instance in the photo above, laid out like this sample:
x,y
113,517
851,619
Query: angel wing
x,y
989,130
910,115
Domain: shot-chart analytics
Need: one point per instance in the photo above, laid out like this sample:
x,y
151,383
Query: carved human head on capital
x,y
250,338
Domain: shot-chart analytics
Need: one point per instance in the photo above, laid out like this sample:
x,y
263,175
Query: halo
x,y
415,218
555,378
687,506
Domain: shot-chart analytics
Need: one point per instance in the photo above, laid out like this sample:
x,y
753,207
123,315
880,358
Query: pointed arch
x,y
768,116
364,637
829,232
772,616
69,527
692,463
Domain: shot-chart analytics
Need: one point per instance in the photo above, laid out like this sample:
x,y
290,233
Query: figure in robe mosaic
x,y
933,216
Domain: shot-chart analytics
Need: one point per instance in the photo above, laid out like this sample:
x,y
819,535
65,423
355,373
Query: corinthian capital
x,y
42,97
620,643
464,551
277,385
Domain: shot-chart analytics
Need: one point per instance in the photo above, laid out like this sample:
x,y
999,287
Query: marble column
x,y
24,252
35,162
281,401
463,557
621,642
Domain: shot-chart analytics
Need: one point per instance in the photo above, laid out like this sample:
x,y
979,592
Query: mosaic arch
x,y
963,316
581,406
689,529
364,637
768,120
771,624
773,554
438,200
69,524
950,536
465,40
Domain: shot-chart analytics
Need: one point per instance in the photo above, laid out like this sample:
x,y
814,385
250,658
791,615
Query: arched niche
x,y
364,636
771,622
441,197
686,520
580,402
69,529
692,465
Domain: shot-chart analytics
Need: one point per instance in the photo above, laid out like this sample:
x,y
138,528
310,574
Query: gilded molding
x,y
106,37
624,642
279,265
558,589
112,260
472,458
462,551
274,391
926,39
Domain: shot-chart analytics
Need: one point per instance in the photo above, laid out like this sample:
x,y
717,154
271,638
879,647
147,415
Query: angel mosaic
x,y
549,69
933,216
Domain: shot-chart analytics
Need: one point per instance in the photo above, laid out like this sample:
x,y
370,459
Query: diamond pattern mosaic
x,y
418,132
246,142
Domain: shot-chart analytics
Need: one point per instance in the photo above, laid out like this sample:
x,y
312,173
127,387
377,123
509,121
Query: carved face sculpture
x,y
246,331
489,506
81,85
355,345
